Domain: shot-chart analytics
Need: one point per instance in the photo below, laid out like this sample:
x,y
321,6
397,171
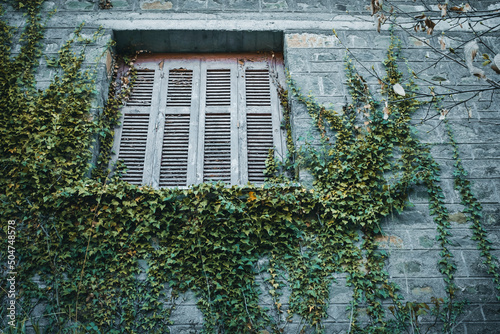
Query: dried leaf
x,y
386,111
444,9
495,68
398,89
444,112
443,44
470,51
430,25
374,6
477,72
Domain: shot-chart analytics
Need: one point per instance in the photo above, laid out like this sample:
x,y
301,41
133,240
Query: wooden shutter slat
x,y
179,87
174,161
217,147
218,87
257,87
132,149
259,141
142,92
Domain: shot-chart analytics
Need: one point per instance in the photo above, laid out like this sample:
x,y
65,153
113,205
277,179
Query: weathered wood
x,y
209,119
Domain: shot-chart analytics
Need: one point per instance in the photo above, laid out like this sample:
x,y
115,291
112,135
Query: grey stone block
x,y
233,5
419,290
486,190
482,168
416,263
481,328
445,151
313,6
491,215
476,290
276,5
462,239
340,293
195,5
186,315
80,5
412,218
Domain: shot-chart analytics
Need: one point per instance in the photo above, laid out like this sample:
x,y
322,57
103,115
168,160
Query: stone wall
x,y
315,59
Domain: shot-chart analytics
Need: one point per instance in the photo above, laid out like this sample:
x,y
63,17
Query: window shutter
x,y
218,160
260,113
133,145
135,132
200,118
180,124
175,148
259,122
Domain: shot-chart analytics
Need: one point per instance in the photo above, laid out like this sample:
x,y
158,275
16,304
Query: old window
x,y
199,118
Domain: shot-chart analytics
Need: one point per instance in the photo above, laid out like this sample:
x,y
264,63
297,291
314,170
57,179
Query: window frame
x,y
199,64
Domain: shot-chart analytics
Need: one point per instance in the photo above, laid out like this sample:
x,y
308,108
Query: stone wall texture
x,y
315,59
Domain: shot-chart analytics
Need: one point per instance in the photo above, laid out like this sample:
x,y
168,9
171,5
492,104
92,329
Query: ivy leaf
x,y
251,196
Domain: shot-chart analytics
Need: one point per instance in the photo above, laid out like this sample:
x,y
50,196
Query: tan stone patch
x,y
422,291
389,241
418,42
306,40
157,5
458,217
109,63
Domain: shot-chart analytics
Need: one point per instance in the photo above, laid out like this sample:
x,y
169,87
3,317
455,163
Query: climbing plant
x,y
96,254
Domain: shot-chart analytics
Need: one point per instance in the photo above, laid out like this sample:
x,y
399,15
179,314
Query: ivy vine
x,y
97,254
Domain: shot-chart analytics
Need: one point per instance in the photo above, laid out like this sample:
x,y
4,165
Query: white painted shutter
x,y
175,148
200,119
218,156
142,92
180,124
260,112
133,145
137,120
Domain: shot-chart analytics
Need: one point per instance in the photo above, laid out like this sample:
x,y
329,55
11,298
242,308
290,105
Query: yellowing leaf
x,y
251,196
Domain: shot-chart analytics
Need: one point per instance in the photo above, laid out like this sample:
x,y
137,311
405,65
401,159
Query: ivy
x,y
473,209
97,254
